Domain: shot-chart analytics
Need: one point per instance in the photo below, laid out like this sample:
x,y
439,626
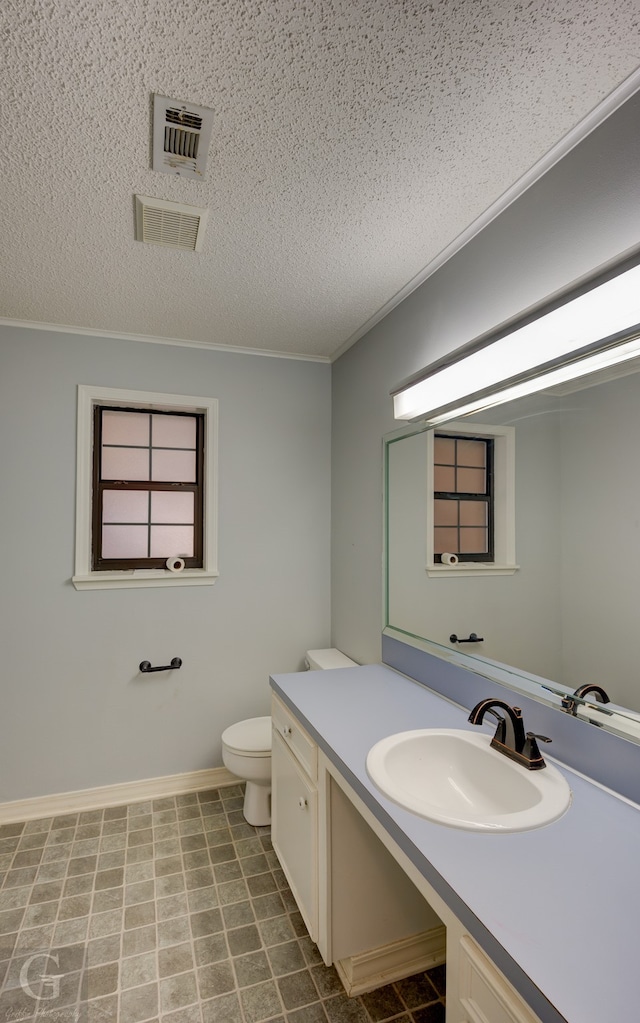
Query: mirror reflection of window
x,y
463,497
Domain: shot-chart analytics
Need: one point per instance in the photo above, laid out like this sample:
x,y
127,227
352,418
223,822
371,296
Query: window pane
x,y
471,481
171,541
444,478
445,513
125,506
173,466
473,541
174,432
168,507
472,452
125,428
473,513
125,464
445,540
444,450
124,541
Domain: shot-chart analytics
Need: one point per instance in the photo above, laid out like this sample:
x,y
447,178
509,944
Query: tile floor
x,y
176,910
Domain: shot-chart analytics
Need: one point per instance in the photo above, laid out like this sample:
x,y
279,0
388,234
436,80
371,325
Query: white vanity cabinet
x,y
294,810
365,905
357,903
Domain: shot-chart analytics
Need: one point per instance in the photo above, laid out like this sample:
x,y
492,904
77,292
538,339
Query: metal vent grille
x,y
171,224
181,142
181,137
185,118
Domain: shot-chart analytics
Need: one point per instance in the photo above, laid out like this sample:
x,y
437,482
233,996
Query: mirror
x,y
567,614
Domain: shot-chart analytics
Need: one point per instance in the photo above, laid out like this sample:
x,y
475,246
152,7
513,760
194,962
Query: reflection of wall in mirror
x,y
601,539
569,612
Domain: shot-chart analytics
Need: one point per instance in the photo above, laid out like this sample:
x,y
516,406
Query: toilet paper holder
x,y
145,666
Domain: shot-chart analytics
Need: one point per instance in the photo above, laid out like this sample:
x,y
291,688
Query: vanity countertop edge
x,y
555,908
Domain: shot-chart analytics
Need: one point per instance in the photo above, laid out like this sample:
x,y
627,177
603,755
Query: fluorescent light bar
x,y
608,309
590,364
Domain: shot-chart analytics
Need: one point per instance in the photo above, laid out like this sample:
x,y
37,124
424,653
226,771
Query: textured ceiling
x,y
352,142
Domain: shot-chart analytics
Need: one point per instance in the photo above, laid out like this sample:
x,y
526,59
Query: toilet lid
x,y
250,736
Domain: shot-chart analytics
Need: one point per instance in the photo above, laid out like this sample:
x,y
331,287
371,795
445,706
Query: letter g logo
x,y
50,982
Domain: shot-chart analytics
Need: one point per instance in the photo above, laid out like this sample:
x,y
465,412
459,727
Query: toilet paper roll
x,y
175,564
449,559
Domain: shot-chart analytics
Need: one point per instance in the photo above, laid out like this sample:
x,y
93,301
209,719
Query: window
x,y
471,500
463,497
146,489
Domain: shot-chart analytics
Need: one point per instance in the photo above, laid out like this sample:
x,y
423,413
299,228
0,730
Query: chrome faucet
x,y
510,737
570,705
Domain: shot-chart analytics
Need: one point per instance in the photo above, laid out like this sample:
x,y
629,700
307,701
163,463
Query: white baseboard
x,y
115,795
372,969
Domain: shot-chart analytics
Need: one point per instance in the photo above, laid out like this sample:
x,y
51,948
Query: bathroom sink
x,y
453,777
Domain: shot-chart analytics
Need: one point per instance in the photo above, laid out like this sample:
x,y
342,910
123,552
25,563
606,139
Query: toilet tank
x,y
319,660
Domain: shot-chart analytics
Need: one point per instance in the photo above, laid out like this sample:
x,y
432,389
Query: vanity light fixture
x,y
589,329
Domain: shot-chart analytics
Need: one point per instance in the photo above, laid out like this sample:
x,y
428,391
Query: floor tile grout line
x,y
157,942
187,892
156,949
241,1004
189,914
222,916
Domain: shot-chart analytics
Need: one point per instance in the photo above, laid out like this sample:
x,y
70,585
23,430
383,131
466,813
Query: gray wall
x,y
583,213
75,711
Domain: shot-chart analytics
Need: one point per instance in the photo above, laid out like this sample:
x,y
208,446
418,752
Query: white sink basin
x,y
453,777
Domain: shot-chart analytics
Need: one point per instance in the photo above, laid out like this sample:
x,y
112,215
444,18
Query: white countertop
x,y
555,908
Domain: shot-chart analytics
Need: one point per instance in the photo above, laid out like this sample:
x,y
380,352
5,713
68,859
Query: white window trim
x,y
84,578
504,503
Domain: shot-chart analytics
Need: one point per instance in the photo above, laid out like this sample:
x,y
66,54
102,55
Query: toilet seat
x,y
249,738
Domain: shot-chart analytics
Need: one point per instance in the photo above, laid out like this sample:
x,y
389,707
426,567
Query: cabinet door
x,y
294,814
485,995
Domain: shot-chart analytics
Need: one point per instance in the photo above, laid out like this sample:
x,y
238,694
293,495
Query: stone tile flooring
x,y
174,909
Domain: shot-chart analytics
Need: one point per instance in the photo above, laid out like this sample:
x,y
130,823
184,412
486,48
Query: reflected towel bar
x,y
471,638
145,666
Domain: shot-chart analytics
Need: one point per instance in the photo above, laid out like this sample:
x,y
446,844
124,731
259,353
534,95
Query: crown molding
x,y
114,335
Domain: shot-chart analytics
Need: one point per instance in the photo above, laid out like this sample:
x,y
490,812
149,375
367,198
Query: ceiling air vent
x,y
181,137
172,224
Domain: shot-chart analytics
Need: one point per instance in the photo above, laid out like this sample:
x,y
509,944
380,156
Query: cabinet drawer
x,y
485,995
299,742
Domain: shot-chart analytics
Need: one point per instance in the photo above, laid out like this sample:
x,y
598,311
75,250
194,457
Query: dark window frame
x,y
99,486
487,498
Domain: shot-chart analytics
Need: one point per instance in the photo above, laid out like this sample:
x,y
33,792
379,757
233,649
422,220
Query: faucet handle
x,y
531,752
569,705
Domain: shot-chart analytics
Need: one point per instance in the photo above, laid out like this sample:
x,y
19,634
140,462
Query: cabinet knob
x,y
302,803
286,729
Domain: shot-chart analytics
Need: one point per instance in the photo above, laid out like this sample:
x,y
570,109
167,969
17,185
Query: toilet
x,y
246,746
246,752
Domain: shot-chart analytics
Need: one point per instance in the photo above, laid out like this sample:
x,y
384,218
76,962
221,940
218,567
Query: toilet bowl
x,y
246,752
246,747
